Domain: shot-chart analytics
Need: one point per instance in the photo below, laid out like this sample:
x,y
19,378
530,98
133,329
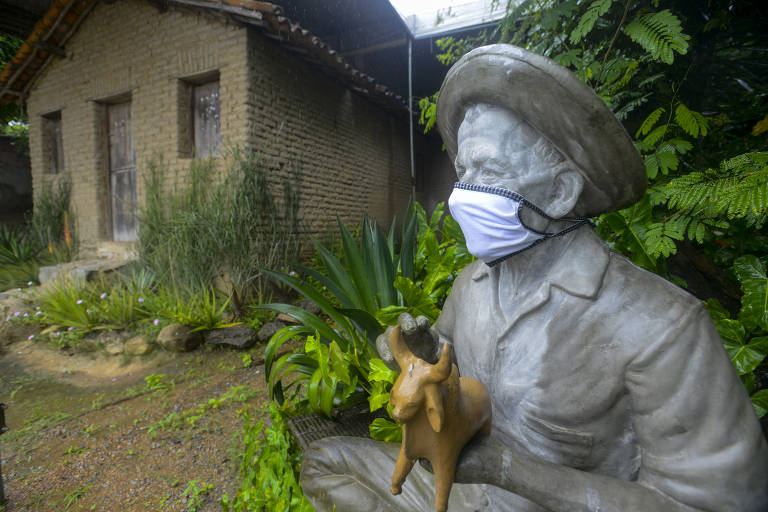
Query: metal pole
x,y
410,115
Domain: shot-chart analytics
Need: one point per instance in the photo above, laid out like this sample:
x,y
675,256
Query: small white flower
x,y
38,313
141,299
80,301
31,336
103,295
16,313
70,328
30,283
156,321
26,315
57,333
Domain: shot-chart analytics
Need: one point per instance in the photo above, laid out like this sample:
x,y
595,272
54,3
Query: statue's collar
x,y
578,269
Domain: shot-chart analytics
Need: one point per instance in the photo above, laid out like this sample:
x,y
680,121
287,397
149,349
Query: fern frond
x,y
588,20
660,34
693,123
650,121
569,58
663,159
738,189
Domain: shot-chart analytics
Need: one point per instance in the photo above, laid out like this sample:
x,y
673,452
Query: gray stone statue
x,y
610,388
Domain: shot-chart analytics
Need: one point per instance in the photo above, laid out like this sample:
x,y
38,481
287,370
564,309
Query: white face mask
x,y
490,220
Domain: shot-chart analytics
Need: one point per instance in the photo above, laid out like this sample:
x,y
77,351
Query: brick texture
x,y
351,154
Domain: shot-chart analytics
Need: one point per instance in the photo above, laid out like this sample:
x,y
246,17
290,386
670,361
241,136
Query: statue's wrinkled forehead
x,y
501,123
503,127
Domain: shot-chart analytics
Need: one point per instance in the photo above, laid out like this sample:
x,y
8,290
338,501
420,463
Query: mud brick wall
x,y
351,154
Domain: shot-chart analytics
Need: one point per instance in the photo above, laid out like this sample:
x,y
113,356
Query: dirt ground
x,y
89,432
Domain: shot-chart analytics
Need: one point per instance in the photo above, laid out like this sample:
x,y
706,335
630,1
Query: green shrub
x,y
227,229
361,293
269,469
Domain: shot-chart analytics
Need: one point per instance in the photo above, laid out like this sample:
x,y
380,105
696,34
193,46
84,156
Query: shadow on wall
x,y
15,181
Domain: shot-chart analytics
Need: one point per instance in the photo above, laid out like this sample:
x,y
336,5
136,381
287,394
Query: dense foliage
x,y
46,238
689,81
207,232
361,291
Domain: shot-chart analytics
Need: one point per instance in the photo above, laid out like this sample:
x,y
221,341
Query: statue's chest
x,y
551,372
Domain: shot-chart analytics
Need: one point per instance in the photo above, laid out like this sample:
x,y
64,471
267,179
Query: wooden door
x,y
122,172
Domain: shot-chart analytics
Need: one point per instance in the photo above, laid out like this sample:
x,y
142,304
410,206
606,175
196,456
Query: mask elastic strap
x,y
578,221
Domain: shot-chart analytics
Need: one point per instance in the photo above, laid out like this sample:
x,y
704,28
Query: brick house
x,y
109,85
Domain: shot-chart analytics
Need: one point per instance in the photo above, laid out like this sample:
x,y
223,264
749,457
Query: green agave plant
x,y
364,289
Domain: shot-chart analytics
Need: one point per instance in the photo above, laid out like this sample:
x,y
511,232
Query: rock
x,y
310,306
138,346
240,336
177,338
114,347
268,330
110,337
89,343
282,317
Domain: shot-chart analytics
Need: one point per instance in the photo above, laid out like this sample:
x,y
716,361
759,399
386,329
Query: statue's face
x,y
496,148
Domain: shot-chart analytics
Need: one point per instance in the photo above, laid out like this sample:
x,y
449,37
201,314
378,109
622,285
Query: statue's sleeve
x,y
445,323
700,441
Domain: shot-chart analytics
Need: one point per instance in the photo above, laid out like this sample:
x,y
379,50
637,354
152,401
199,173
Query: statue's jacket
x,y
610,369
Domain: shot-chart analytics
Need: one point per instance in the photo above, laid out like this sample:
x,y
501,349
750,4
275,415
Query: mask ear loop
x,y
579,221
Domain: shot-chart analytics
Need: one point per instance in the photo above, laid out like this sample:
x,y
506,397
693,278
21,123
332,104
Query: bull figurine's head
x,y
417,385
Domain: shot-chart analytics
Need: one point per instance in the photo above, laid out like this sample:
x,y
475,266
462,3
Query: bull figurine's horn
x,y
441,370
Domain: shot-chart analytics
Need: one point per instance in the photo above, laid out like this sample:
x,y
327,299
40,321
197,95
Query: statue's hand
x,y
419,337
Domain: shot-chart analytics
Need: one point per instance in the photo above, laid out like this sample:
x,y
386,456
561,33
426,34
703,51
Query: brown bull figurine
x,y
439,411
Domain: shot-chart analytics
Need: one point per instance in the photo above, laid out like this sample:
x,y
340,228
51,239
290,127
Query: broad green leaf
x,y
309,320
716,310
385,430
338,274
751,272
390,314
380,372
745,354
418,301
330,285
379,396
339,364
365,323
629,227
277,340
760,402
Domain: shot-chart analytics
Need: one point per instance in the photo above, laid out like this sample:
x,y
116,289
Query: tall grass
x,y
46,239
53,220
210,228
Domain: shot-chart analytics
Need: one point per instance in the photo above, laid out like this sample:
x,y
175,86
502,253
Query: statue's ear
x,y
569,184
434,405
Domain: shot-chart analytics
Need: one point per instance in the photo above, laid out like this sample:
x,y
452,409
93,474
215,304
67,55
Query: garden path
x,y
105,433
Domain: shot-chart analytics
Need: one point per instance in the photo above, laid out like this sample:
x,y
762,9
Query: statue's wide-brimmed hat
x,y
557,104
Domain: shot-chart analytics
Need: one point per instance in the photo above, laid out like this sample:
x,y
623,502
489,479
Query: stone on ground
x,y
178,338
268,330
138,346
239,336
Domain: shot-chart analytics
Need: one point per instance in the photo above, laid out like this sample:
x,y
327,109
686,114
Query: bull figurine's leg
x,y
402,468
445,470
